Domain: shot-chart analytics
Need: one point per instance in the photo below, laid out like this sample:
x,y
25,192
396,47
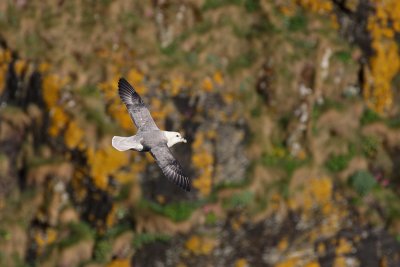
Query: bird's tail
x,y
125,143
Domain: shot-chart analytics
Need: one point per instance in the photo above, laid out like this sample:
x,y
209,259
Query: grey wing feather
x,y
170,166
137,109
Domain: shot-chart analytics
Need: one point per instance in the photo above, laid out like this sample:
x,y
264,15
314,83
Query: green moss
x,y
49,18
252,5
337,163
256,110
3,157
98,117
13,16
393,122
89,91
118,229
146,238
191,58
238,200
213,4
297,23
286,162
249,5
328,104
179,211
362,181
343,56
77,232
102,250
213,60
369,116
230,184
256,30
130,20
211,218
369,145
390,201
37,161
123,193
4,235
171,49
203,27
18,261
242,61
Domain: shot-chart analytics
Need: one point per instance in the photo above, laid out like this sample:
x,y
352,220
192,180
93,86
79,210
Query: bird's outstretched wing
x,y
170,166
137,109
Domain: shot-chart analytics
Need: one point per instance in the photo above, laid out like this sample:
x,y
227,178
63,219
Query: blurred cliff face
x,y
292,133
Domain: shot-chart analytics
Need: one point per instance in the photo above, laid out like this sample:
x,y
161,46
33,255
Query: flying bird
x,y
149,138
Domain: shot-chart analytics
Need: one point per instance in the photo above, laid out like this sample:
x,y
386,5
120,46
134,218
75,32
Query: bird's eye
x,y
177,135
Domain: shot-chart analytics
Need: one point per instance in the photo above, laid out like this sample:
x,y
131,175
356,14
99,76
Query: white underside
x,y
125,143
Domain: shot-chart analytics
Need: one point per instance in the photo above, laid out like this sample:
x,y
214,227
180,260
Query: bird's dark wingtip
x,y
187,186
123,84
126,91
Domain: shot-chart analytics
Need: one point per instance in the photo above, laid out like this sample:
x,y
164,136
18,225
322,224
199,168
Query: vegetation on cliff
x,y
290,109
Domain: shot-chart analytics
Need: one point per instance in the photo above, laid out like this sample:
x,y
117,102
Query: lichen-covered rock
x,y
286,169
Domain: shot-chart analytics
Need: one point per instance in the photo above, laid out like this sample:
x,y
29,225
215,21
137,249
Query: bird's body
x,y
152,138
149,137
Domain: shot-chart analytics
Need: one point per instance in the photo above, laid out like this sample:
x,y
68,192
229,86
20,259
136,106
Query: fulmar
x,y
149,138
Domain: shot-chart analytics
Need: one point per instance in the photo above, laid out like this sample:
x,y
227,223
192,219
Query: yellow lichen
x,y
291,262
317,6
5,55
109,88
124,177
218,79
160,199
283,244
318,193
203,160
20,66
340,262
59,120
378,93
207,84
312,264
135,77
119,263
228,98
343,247
73,135
110,220
321,249
383,26
105,162
241,263
5,58
237,223
51,89
175,85
44,239
44,67
200,245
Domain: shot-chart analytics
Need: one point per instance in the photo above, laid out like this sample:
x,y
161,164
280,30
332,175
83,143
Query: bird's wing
x,y
170,166
137,109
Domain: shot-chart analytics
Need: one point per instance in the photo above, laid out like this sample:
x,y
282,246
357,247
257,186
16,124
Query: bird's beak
x,y
184,140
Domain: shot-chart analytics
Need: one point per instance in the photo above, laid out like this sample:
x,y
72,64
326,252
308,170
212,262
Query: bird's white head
x,y
174,138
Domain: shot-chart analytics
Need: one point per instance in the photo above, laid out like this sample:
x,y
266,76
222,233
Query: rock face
x,y
231,161
290,165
